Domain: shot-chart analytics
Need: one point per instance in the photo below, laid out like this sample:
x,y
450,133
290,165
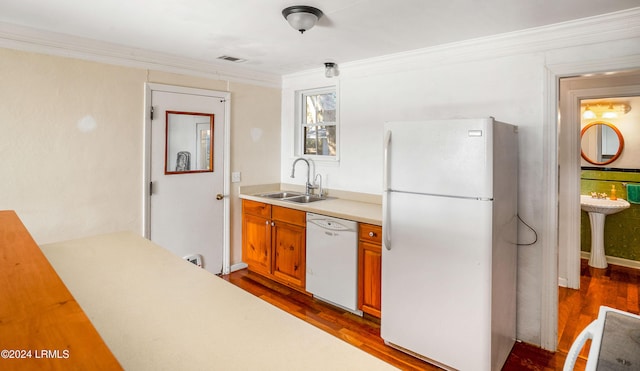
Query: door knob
x,y
219,196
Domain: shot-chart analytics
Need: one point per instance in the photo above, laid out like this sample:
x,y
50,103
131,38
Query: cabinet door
x,y
256,243
289,248
370,275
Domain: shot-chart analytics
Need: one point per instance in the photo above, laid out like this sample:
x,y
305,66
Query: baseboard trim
x,y
614,260
562,282
238,266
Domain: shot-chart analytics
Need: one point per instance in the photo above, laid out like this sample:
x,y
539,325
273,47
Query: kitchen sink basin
x,y
281,194
290,196
304,199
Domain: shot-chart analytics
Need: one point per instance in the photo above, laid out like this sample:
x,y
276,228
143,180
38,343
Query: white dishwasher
x,y
332,261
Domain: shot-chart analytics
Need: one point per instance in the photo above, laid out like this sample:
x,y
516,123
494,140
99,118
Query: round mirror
x,y
601,143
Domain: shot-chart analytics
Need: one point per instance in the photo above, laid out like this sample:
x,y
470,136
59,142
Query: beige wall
x,y
71,144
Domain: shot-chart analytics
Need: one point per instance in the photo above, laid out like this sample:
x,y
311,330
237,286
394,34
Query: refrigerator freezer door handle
x,y
385,171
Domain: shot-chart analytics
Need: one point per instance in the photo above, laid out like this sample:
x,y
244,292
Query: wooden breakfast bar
x,y
42,327
154,310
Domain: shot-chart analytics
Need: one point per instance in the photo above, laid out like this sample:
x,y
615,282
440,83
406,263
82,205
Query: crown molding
x,y
597,29
602,28
32,40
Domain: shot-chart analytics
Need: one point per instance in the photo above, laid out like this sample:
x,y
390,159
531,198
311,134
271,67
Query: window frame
x,y
300,123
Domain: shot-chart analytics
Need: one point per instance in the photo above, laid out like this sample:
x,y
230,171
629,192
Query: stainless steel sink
x,y
290,196
304,199
281,194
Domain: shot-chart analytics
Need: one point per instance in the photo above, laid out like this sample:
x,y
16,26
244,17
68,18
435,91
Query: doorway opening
x,y
575,94
586,165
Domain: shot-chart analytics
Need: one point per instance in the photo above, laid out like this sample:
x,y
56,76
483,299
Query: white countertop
x,y
359,208
156,311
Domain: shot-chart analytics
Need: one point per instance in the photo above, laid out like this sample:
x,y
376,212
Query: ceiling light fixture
x,y
302,17
331,69
607,110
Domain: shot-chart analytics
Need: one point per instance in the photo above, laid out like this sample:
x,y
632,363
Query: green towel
x,y
633,193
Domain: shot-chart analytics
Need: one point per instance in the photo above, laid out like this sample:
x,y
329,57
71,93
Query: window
x,y
317,123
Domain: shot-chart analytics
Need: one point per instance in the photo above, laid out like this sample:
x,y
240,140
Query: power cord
x,y
533,230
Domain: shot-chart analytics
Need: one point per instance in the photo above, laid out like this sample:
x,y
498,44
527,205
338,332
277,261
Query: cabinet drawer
x,y
287,215
371,233
256,208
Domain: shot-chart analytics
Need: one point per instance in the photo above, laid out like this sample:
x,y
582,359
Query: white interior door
x,y
187,205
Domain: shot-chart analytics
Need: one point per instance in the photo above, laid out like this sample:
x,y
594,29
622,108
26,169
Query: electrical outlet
x,y
194,259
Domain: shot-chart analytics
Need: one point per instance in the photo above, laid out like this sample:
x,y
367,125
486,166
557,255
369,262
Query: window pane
x,y
320,108
320,140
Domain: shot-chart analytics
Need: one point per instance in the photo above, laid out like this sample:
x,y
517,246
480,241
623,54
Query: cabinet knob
x,y
273,224
371,234
267,222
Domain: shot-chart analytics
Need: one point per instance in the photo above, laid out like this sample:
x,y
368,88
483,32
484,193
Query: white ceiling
x,y
255,30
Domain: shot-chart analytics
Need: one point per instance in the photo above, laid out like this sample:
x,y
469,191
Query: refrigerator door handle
x,y
386,221
386,164
385,184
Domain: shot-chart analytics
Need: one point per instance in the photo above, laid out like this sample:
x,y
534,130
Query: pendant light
x,y
302,17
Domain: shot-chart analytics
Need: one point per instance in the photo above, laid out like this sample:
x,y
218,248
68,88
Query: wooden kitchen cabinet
x,y
274,242
370,269
256,236
256,249
289,245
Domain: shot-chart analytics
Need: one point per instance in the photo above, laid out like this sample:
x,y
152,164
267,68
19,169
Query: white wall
x,y
502,76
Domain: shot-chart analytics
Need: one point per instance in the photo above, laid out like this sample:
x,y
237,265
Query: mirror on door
x,y
189,142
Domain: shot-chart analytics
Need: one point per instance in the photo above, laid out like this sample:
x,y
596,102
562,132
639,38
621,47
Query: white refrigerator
x,y
450,241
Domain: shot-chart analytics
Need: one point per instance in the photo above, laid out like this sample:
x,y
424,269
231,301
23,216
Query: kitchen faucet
x,y
309,186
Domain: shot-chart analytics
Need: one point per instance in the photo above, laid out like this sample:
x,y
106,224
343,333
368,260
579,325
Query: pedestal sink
x,y
598,209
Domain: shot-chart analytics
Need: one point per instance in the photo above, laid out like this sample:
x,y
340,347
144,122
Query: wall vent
x,y
231,59
194,259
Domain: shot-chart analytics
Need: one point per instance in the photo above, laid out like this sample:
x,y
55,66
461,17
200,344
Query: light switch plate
x,y
235,177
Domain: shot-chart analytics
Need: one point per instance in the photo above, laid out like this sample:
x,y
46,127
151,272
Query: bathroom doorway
x,y
571,270
573,91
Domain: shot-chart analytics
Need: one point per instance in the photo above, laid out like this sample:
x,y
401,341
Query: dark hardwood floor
x,y
616,287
